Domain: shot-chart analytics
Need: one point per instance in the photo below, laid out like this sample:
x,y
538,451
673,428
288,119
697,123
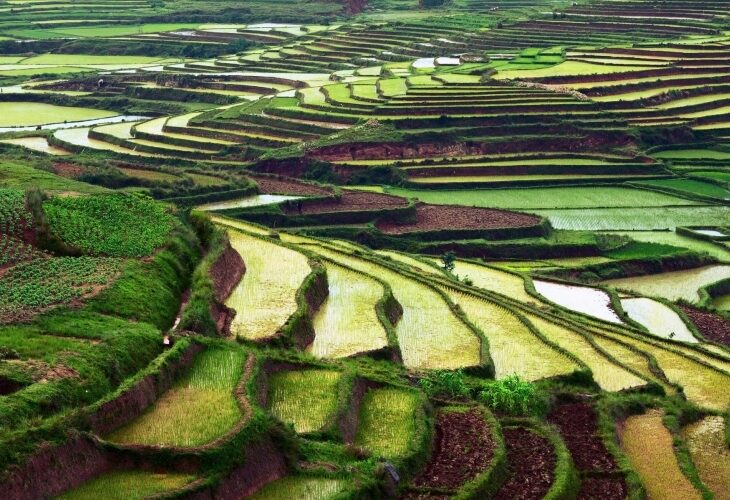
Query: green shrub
x,y
450,383
513,396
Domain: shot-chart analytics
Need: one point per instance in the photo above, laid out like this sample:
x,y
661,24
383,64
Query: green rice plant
x,y
629,219
706,443
609,375
545,197
200,407
347,323
702,384
674,285
494,280
17,114
387,422
301,488
658,318
307,399
513,396
116,225
648,444
430,335
409,261
513,347
128,485
265,298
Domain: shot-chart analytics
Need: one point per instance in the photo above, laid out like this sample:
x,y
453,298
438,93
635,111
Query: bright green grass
x,y
127,485
691,186
643,219
301,488
671,238
722,302
542,198
22,176
712,174
387,422
200,406
307,399
22,114
103,31
115,224
688,154
86,59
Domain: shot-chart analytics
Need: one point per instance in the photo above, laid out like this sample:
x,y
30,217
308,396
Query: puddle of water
x,y
248,201
710,232
583,299
659,319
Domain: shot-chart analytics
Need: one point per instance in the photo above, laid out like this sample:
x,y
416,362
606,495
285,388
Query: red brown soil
x,y
351,201
417,495
578,426
463,449
272,185
531,465
226,273
603,487
439,217
712,326
67,170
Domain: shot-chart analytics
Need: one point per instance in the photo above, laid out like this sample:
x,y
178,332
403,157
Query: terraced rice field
x,y
706,442
199,408
610,375
132,484
387,422
648,445
429,334
494,280
673,285
513,347
306,399
347,323
266,295
311,488
24,114
658,318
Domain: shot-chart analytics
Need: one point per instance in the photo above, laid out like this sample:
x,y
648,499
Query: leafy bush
x,y
450,383
513,396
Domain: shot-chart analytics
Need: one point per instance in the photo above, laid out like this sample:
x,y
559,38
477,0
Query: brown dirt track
x,y
439,217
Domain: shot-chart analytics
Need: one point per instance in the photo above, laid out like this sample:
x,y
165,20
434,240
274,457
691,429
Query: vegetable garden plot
x,y
658,318
128,485
648,445
387,423
347,324
706,443
531,464
429,334
463,449
32,286
15,218
582,299
609,375
266,295
513,347
197,409
673,285
307,399
301,487
115,224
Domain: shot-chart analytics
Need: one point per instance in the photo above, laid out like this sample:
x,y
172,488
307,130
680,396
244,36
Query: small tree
x,y
448,261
